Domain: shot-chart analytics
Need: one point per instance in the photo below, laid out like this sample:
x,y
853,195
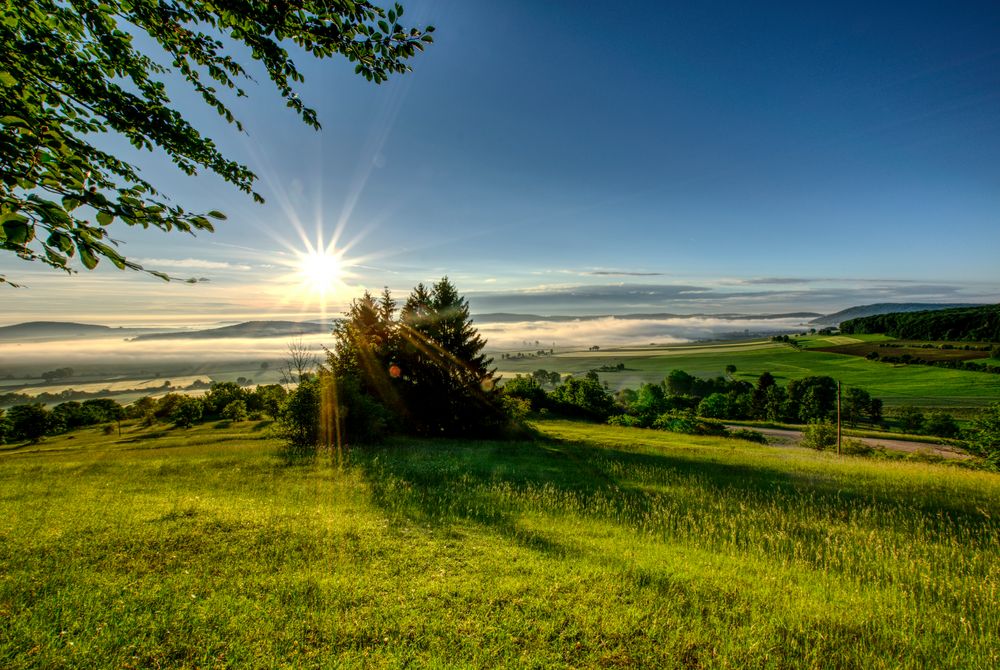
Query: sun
x,y
321,271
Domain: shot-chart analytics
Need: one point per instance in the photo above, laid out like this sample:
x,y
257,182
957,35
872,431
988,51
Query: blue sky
x,y
582,157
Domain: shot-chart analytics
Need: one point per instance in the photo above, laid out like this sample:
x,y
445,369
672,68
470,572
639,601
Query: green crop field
x,y
896,384
593,547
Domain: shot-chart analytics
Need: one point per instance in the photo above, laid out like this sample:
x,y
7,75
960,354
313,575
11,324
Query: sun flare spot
x,y
321,271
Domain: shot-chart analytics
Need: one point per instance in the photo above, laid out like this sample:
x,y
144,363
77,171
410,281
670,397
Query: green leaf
x,y
87,257
18,231
56,258
216,214
105,218
61,241
14,121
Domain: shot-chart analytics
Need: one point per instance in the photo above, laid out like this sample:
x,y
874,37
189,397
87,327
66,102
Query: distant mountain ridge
x,y
247,329
44,330
875,309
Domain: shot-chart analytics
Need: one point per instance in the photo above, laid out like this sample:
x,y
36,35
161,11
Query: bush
x,y
715,406
235,411
911,419
583,396
323,411
857,448
688,424
983,436
186,411
525,388
221,396
28,422
941,424
819,435
748,435
626,420
299,422
516,408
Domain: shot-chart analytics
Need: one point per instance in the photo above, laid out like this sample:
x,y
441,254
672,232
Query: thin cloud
x,y
192,263
624,273
778,281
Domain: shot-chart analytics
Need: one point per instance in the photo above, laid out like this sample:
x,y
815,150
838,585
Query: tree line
x,y
961,324
224,401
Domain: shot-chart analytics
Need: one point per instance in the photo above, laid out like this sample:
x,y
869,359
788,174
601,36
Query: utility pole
x,y
838,418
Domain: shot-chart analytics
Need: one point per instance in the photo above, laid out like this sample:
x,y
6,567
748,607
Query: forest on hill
x,y
965,324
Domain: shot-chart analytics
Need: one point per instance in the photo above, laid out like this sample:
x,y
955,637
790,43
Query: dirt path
x,y
792,438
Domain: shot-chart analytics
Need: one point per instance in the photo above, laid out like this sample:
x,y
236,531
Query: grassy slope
x,y
896,385
613,547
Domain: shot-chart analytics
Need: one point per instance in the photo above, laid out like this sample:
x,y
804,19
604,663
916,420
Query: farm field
x,y
862,345
897,385
595,546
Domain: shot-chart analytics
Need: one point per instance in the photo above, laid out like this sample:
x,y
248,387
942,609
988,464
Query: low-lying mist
x,y
121,355
616,331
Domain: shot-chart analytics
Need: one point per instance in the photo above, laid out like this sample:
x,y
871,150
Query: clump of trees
x,y
32,421
418,369
801,401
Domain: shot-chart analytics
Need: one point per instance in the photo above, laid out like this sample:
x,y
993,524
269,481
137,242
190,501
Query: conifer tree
x,y
448,385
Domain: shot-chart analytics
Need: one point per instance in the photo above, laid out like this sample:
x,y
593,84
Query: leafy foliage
x,y
28,422
819,435
187,411
968,324
983,436
583,396
419,369
73,71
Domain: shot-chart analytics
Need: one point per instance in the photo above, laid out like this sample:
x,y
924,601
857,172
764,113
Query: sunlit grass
x,y
958,391
601,547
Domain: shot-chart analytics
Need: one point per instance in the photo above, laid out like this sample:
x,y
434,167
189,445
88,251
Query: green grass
x,y
897,385
601,547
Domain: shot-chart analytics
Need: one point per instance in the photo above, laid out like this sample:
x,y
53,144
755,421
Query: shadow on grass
x,y
144,436
492,484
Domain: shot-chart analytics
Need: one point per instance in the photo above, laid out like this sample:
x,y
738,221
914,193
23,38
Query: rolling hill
x,y
253,329
875,309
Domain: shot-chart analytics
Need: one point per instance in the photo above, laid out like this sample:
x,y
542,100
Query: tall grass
x,y
597,546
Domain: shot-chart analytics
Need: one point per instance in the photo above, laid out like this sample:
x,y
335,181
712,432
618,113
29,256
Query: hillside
x,y
599,547
860,311
963,324
58,330
251,329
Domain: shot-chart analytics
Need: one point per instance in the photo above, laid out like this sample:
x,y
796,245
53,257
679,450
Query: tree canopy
x,y
967,324
71,71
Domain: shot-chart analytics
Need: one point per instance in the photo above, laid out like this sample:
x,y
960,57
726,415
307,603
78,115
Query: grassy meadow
x,y
897,385
592,547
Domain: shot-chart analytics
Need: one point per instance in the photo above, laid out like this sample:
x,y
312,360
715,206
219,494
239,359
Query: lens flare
x,y
321,271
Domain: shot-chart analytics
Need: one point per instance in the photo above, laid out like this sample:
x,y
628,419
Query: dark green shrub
x,y
625,420
748,435
819,435
941,424
857,448
236,410
186,411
